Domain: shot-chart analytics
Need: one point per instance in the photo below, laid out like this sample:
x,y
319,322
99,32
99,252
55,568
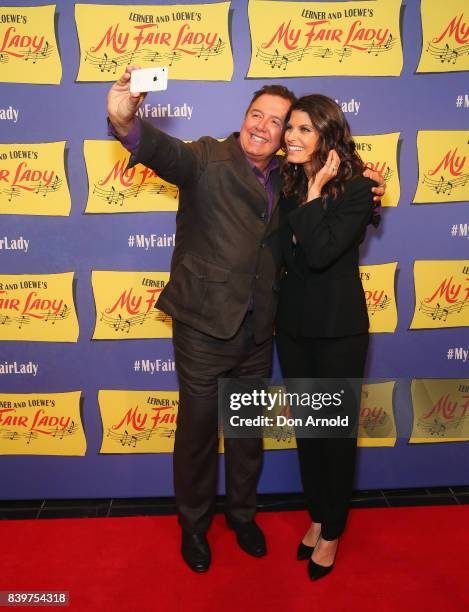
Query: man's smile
x,y
257,138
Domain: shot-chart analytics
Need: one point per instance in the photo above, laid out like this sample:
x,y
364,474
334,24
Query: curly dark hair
x,y
334,133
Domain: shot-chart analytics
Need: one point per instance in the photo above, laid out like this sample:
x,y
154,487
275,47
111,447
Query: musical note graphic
x,y
206,53
3,58
436,428
37,188
44,53
166,432
388,173
128,440
447,54
119,324
169,189
114,197
56,432
22,320
438,312
132,439
60,316
377,48
12,192
281,59
439,429
345,52
370,423
9,434
46,189
107,63
49,317
278,60
174,56
380,306
445,186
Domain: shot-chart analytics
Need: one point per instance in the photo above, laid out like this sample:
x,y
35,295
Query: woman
x,y
322,321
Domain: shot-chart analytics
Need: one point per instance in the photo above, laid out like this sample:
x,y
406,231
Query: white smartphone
x,y
149,79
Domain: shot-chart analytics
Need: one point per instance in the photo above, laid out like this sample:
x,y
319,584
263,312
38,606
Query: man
x,y
222,296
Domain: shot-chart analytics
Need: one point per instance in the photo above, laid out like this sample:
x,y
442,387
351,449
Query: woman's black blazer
x,y
321,294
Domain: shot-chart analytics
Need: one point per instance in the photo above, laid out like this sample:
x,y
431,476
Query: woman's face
x,y
300,138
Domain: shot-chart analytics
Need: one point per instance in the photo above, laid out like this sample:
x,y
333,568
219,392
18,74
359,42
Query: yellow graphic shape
x,y
32,179
377,426
125,305
28,47
378,285
325,38
113,189
192,40
41,424
443,166
441,294
38,307
138,421
278,436
445,36
440,410
379,152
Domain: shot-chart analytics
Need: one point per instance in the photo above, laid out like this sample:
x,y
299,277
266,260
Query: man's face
x,y
260,133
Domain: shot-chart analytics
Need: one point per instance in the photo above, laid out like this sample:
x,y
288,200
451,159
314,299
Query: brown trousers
x,y
200,361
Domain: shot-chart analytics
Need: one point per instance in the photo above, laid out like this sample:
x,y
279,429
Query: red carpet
x,y
395,559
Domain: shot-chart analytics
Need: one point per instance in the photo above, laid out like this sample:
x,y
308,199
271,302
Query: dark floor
x,y
154,506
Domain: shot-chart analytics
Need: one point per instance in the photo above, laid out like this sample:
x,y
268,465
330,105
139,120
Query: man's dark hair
x,y
273,90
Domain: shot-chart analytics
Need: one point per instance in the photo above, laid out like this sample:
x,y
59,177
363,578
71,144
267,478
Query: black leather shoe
x,y
304,552
316,571
249,537
196,551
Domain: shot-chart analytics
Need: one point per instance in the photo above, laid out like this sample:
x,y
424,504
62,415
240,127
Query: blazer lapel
x,y
245,169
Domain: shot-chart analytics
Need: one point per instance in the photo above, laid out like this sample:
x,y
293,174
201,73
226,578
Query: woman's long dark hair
x,y
334,133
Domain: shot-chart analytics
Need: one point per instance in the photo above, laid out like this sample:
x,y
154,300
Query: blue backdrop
x,y
77,111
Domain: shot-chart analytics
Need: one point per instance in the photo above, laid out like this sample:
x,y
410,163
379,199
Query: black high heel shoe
x,y
304,552
316,571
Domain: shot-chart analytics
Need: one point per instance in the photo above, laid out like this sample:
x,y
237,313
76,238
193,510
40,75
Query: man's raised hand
x,y
122,104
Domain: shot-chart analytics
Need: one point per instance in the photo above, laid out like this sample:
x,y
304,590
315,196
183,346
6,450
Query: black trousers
x,y
327,465
200,361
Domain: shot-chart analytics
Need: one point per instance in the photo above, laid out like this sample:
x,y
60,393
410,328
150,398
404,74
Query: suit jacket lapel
x,y
245,169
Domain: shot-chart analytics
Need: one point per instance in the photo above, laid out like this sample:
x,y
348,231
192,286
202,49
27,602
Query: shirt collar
x,y
272,165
